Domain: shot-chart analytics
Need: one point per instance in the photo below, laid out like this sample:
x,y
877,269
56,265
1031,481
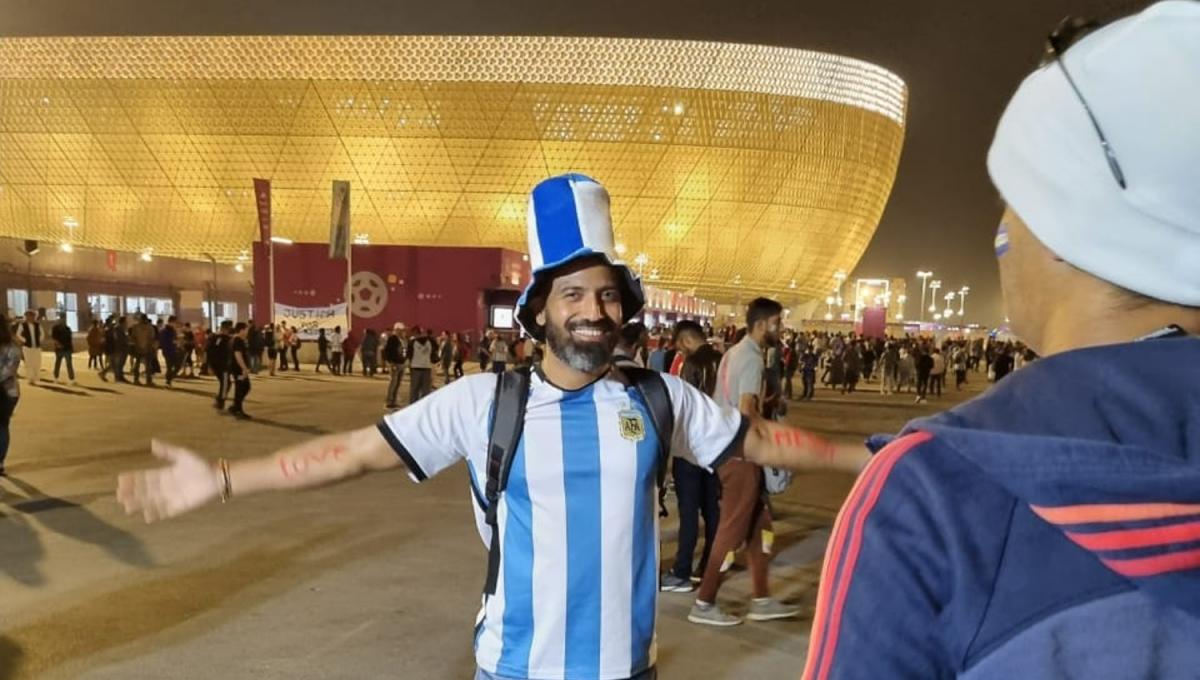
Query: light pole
x,y
962,300
924,276
949,309
934,285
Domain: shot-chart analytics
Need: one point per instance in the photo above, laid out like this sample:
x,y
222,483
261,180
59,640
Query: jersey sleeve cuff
x,y
414,469
734,443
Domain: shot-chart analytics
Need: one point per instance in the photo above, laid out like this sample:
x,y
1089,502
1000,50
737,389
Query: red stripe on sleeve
x,y
1143,567
864,496
1126,539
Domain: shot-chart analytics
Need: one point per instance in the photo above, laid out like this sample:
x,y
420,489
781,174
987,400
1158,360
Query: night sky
x,y
962,59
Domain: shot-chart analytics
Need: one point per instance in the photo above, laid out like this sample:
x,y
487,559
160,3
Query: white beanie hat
x,y
1141,78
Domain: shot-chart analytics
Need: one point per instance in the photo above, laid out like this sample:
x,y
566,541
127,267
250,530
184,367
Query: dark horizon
x,y
961,65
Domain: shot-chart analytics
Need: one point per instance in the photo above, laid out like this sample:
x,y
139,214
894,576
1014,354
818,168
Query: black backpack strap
x,y
658,400
508,421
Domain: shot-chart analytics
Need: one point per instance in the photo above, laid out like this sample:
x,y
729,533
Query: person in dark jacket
x,y
394,353
64,348
168,342
1048,529
256,345
924,361
697,490
116,346
218,355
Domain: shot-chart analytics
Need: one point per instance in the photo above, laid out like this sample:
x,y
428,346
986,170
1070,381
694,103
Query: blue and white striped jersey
x,y
578,521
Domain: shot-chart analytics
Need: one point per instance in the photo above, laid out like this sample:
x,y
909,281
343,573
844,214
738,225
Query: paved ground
x,y
371,579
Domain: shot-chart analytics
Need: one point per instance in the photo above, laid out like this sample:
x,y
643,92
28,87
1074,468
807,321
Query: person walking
x,y
854,366
349,349
95,345
284,337
187,350
29,335
370,353
116,343
271,344
498,354
256,346
924,364
294,347
200,343
145,345
1046,529
240,369
745,514
446,350
218,355
323,342
937,376
394,353
334,349
889,366
808,372
64,349
11,355
697,490
462,349
168,342
420,360
958,359
572,586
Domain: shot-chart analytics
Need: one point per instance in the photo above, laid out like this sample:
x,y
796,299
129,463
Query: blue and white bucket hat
x,y
569,220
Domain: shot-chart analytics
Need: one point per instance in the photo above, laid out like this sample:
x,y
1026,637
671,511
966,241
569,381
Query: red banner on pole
x,y
112,261
262,197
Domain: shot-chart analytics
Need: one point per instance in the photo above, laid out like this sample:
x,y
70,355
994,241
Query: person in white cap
x,y
1051,528
570,522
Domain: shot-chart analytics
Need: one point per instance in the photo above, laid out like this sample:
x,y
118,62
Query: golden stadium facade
x,y
731,167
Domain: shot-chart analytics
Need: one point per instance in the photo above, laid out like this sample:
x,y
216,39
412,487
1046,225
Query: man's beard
x,y
585,357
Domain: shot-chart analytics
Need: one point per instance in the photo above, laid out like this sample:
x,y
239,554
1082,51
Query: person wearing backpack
x,y
697,491
564,461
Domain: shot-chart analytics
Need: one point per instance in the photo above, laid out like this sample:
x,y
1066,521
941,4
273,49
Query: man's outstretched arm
x,y
189,481
774,444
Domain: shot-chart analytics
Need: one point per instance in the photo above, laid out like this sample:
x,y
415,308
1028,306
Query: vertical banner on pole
x,y
262,199
339,237
339,222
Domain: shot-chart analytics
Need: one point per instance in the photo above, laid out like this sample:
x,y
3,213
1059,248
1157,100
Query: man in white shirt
x,y
29,332
577,515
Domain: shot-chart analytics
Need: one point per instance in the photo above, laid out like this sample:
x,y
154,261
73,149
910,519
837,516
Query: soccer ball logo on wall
x,y
368,295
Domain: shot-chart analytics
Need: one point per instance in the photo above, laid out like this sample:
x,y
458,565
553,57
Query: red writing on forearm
x,y
298,465
808,442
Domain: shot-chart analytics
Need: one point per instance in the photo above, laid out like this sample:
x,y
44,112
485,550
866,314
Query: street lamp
x,y
924,276
962,299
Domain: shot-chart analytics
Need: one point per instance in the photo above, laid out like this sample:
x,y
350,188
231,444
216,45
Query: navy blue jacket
x,y
1049,529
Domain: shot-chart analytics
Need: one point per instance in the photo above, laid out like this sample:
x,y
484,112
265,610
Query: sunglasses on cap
x,y
1070,31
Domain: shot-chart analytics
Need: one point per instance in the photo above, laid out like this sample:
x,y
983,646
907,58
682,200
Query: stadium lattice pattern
x,y
723,160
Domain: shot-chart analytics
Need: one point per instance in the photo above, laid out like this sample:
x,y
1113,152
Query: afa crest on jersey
x,y
631,425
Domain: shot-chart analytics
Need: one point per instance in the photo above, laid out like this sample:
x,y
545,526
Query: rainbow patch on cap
x,y
1001,240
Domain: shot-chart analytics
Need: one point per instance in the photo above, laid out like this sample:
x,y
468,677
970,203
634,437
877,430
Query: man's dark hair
x,y
761,309
687,326
631,333
172,319
241,326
